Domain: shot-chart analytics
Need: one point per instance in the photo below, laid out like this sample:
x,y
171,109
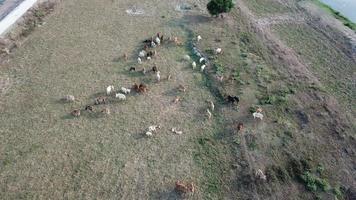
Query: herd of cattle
x,y
147,53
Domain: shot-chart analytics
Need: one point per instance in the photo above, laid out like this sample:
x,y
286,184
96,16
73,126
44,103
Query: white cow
x,y
194,65
186,57
158,41
110,89
125,90
202,67
218,51
199,38
201,60
120,96
142,54
257,115
158,76
259,174
139,61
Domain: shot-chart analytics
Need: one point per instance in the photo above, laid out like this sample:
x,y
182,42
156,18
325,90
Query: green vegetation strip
x,y
337,15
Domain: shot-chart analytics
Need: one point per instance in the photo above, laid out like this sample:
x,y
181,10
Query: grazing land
x,y
277,55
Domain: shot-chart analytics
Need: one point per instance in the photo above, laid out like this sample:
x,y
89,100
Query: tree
x,y
216,7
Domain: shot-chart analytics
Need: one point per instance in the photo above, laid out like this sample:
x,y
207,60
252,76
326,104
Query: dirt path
x,y
297,70
279,19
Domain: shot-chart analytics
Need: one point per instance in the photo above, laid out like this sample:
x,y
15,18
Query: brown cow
x,y
100,100
75,113
240,126
184,187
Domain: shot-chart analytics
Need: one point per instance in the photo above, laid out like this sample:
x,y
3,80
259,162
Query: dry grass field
x,y
272,58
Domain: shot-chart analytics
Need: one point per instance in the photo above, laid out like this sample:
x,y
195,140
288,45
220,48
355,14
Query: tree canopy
x,y
216,7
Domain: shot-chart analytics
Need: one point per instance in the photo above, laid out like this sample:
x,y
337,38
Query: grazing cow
x,y
202,68
154,128
186,57
106,111
158,76
177,41
125,90
208,113
199,38
139,61
147,41
142,54
142,88
132,69
260,175
89,108
158,41
125,56
184,187
68,98
151,53
257,115
100,100
233,99
211,105
110,90
155,69
182,88
194,65
259,110
75,113
220,78
153,44
143,71
176,100
240,126
201,60
218,51
120,96
174,130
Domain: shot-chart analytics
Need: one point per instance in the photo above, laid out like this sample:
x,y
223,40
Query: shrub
x,y
309,181
322,184
216,7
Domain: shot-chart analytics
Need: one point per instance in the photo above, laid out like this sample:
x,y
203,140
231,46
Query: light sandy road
x,y
11,11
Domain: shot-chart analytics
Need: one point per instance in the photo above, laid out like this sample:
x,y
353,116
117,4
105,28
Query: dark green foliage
x,y
277,173
312,182
216,7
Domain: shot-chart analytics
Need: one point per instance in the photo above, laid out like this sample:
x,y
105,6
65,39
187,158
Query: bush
x,y
216,7
313,182
322,184
309,181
